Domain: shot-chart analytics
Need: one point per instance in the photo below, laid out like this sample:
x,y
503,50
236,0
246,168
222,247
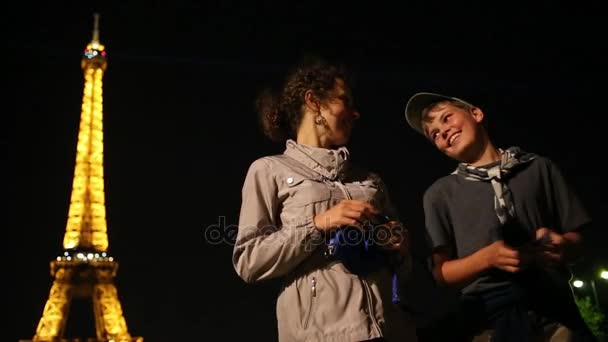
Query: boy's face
x,y
454,130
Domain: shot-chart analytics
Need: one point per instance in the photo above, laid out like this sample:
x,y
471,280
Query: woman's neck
x,y
311,134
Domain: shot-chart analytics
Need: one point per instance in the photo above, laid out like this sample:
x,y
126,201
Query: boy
x,y
503,227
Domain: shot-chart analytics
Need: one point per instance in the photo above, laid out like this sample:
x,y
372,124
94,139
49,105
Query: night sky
x,y
180,132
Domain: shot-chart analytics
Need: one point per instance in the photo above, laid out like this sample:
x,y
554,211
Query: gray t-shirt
x,y
460,213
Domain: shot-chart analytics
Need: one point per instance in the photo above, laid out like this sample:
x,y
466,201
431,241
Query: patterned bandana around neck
x,y
503,200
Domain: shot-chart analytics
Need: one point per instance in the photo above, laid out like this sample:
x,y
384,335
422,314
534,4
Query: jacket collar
x,y
329,163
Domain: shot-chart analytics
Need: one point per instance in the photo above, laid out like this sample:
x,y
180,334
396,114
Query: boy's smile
x,y
453,130
452,139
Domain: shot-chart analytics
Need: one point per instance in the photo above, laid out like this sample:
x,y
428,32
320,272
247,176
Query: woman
x,y
294,203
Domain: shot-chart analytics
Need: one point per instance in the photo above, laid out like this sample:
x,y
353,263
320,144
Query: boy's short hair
x,y
418,102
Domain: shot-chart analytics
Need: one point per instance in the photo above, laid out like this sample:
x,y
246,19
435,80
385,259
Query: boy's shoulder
x,y
444,183
541,165
441,185
543,161
539,160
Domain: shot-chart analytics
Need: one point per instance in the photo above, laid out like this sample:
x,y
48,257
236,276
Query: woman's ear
x,y
311,101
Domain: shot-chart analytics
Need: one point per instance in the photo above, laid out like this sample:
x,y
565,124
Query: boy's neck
x,y
488,154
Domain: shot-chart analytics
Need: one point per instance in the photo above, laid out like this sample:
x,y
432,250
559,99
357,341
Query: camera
x,y
359,247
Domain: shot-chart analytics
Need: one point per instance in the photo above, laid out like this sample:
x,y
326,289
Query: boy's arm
x,y
465,269
462,270
560,248
572,219
574,245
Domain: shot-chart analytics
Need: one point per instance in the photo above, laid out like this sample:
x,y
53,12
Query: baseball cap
x,y
418,102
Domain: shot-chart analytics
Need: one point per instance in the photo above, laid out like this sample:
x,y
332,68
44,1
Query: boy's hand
x,y
550,247
503,257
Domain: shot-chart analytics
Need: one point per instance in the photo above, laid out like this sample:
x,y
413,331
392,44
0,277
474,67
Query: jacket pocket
x,y
311,304
305,190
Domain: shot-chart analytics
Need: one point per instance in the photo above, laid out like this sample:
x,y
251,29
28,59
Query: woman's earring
x,y
319,119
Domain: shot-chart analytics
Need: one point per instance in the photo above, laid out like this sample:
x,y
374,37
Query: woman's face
x,y
340,114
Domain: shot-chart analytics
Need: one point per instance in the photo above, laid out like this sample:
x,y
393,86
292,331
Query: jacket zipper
x,y
363,282
313,293
369,305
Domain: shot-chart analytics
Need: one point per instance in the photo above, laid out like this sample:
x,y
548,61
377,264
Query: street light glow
x,y
604,274
578,283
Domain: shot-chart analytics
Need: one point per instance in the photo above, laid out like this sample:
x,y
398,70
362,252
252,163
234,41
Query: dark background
x,y
180,132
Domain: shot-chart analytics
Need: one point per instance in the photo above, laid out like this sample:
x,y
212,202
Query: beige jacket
x,y
320,300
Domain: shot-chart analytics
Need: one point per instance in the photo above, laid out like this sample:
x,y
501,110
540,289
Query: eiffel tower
x,y
85,270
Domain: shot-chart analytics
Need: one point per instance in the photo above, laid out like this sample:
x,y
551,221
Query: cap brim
x,y
417,103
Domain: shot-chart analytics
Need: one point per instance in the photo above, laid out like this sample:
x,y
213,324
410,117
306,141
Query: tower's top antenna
x,y
96,29
95,51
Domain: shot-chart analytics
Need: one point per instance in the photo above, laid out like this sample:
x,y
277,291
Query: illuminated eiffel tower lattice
x,y
85,270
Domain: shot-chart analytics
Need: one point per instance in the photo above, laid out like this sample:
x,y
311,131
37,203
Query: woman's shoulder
x,y
262,165
279,164
269,161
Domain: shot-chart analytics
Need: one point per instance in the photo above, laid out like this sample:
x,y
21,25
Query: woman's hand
x,y
392,236
345,213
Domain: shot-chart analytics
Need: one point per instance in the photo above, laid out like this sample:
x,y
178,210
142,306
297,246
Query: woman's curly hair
x,y
280,113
